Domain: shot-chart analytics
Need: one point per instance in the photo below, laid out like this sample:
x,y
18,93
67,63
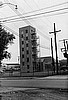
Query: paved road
x,y
46,82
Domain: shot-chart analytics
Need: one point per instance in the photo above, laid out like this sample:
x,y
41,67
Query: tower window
x,y
27,59
27,45
26,31
27,52
26,38
22,49
22,56
23,63
22,35
27,66
32,30
22,42
27,71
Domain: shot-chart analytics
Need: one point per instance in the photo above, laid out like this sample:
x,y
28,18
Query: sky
x,y
44,23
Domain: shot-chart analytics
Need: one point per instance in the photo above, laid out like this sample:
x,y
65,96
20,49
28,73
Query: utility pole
x,y
55,46
65,49
39,56
53,64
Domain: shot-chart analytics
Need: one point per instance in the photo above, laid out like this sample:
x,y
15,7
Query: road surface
x,y
46,82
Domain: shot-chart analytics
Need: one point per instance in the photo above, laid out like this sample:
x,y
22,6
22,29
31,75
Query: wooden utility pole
x,y
53,64
55,46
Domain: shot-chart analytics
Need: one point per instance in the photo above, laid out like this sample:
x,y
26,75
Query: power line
x,y
36,10
49,7
29,6
18,35
36,14
10,30
32,9
34,17
27,22
39,8
44,47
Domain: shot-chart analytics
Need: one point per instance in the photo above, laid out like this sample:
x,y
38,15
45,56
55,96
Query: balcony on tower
x,y
33,32
34,38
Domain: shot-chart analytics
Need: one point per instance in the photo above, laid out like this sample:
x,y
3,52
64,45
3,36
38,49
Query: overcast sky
x,y
44,23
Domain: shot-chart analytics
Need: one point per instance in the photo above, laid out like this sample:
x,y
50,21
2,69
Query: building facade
x,y
28,49
45,63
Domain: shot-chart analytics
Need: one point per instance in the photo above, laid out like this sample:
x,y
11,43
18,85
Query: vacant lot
x,y
35,94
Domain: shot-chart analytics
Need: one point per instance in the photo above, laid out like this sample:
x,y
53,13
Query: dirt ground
x,y
35,94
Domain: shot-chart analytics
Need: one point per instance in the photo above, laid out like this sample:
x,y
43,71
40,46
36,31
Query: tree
x,y
5,39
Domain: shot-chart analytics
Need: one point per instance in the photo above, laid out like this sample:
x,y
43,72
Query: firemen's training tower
x,y
28,49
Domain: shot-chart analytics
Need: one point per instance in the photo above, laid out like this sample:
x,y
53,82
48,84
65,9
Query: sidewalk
x,y
56,77
48,77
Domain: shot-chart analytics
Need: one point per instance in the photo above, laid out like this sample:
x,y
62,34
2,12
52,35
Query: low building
x,y
45,63
13,65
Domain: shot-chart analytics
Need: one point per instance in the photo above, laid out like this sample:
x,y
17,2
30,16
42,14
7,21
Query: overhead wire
x,y
38,14
34,17
62,13
44,15
17,12
47,12
18,35
44,47
27,22
49,7
51,11
12,31
34,23
36,10
9,29
38,17
32,9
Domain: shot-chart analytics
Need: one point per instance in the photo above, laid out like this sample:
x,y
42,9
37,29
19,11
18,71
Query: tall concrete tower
x,y
28,49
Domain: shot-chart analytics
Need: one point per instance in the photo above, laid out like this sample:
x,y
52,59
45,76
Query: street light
x,y
1,4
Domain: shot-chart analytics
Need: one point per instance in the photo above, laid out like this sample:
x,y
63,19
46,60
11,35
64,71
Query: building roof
x,y
27,26
46,59
12,64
